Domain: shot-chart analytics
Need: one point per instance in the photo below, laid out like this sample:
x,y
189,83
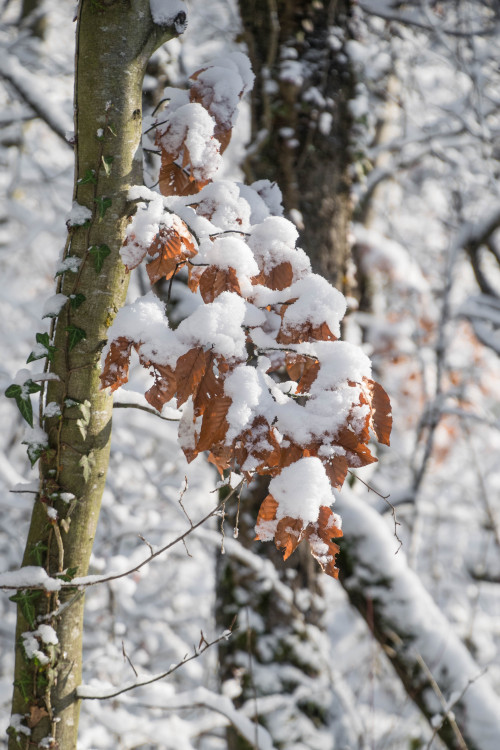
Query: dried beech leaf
x,y
189,371
381,411
267,511
169,250
37,713
210,387
320,534
336,470
174,180
115,370
309,376
215,280
289,533
280,277
221,457
163,388
194,275
303,333
214,424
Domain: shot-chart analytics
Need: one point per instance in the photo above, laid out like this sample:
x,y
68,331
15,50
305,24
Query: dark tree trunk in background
x,y
300,119
300,140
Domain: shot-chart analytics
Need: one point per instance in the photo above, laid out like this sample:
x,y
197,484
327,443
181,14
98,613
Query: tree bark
x,y
301,122
114,40
300,139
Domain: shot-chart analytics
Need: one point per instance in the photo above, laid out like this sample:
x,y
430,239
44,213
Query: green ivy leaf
x,y
44,340
107,161
75,335
100,253
68,575
21,395
75,300
26,600
88,178
38,553
102,206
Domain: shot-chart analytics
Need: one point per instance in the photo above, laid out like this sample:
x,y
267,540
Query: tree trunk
x,y
300,139
114,40
301,122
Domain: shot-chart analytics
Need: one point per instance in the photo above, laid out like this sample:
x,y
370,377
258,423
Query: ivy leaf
x,y
75,300
87,463
100,253
68,575
75,335
21,395
26,600
88,178
38,553
45,349
107,161
102,206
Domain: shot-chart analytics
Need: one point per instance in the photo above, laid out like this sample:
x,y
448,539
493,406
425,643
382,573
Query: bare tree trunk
x,y
114,41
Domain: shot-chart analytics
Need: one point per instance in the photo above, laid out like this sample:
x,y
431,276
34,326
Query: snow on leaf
x,y
171,247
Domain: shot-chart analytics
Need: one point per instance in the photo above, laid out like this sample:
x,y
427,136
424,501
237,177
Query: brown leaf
x,y
214,424
37,713
289,534
194,275
115,370
210,387
381,411
221,457
215,280
357,453
267,511
336,470
309,376
258,441
163,388
280,277
189,371
169,250
320,534
303,333
174,180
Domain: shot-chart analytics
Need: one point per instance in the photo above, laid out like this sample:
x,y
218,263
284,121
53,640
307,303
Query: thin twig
x,y
195,655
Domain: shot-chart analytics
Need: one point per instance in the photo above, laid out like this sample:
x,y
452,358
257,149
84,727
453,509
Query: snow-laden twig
x,y
21,579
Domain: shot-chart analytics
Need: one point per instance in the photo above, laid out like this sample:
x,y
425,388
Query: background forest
x,y
380,123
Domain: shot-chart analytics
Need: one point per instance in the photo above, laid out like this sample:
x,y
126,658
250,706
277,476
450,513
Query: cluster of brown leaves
x,y
176,173
200,374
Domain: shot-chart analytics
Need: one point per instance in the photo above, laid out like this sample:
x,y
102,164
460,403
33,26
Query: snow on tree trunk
x,y
415,635
113,45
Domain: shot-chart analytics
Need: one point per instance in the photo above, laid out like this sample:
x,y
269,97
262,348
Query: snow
x,y
78,215
54,305
301,489
217,325
168,12
29,576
